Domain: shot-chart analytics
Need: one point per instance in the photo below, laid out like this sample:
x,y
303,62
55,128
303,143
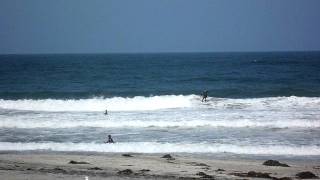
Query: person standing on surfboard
x,y
204,96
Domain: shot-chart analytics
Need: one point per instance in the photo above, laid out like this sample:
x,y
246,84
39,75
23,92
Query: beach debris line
x,y
316,167
198,164
54,170
306,175
275,163
204,175
202,165
95,168
144,170
253,174
220,170
125,172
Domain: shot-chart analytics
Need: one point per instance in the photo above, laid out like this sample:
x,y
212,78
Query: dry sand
x,y
39,166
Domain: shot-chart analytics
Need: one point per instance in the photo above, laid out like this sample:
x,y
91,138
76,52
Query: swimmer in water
x,y
110,140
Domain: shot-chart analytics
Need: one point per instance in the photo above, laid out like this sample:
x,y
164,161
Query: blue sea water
x,y
259,103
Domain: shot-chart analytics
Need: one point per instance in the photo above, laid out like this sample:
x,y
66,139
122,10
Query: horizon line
x,y
163,52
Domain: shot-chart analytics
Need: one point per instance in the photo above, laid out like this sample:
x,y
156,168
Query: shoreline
x,y
18,165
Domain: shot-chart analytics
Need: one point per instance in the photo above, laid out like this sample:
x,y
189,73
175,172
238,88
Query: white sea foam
x,y
153,147
155,123
277,112
140,103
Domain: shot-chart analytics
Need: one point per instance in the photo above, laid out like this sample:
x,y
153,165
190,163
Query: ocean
x,y
259,103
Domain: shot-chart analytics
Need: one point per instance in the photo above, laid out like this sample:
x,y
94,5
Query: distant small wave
x,y
207,79
154,147
159,123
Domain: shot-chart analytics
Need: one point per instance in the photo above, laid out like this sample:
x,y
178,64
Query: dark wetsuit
x,y
204,96
110,140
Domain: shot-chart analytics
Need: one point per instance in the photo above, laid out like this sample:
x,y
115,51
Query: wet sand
x,y
56,165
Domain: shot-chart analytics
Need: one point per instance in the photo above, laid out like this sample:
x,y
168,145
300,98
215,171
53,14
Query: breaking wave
x,y
138,103
154,147
141,103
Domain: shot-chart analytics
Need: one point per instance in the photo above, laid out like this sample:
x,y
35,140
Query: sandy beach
x,y
44,165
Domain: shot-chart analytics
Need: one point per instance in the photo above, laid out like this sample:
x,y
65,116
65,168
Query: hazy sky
x,y
89,26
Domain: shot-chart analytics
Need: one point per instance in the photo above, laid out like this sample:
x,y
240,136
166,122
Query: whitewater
x,y
141,103
166,123
161,111
152,147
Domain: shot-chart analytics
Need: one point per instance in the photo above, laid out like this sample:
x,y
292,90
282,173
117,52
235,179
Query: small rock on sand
x,y
78,162
275,163
168,157
127,155
306,175
95,168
